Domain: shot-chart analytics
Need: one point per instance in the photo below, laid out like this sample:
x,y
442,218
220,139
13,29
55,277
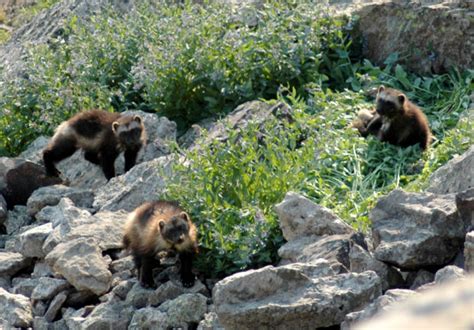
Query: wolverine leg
x,y
130,156
146,272
187,276
59,150
107,161
92,156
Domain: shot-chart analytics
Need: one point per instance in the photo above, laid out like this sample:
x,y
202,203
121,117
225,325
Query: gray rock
x,y
51,195
5,283
433,36
122,264
42,269
295,296
465,205
170,290
30,242
48,287
187,308
469,252
12,262
55,306
382,303
419,279
16,219
39,307
122,289
416,230
34,151
433,307
3,209
455,176
449,273
361,260
148,318
24,286
300,217
109,315
81,263
334,248
210,322
128,191
15,310
138,296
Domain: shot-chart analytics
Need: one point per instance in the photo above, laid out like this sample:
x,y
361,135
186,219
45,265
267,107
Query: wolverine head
x,y
390,102
129,130
176,229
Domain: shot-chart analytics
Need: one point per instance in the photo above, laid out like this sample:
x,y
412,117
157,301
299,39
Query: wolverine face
x,y
389,102
176,229
128,130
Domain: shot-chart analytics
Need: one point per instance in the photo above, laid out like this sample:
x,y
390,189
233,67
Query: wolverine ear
x,y
381,88
184,215
401,99
115,126
162,224
138,119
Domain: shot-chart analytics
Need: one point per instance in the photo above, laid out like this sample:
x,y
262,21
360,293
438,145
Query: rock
x,y
109,315
30,242
48,287
170,290
416,230
469,252
449,273
301,217
465,205
382,303
432,37
210,322
11,263
81,263
42,269
148,318
15,310
55,306
34,151
122,264
122,289
51,195
295,296
138,296
455,176
361,260
419,278
334,248
19,178
39,308
187,308
78,299
436,306
128,191
3,209
16,219
24,286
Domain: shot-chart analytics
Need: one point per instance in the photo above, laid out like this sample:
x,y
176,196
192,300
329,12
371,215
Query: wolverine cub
x,y
395,120
102,135
160,226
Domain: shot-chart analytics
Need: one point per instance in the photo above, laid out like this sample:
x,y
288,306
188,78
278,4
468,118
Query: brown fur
x,y
395,120
160,226
102,135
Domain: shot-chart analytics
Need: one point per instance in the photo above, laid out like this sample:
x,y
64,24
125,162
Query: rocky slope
x,y
61,263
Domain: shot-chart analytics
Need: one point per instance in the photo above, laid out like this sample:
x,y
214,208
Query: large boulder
x,y
416,230
455,176
19,178
15,310
295,296
81,263
449,273
432,37
382,303
301,217
447,306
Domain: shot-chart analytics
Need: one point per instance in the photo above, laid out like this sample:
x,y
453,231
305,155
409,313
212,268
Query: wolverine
x,y
102,135
160,226
395,120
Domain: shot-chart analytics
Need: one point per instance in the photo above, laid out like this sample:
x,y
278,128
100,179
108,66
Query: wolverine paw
x,y
188,281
